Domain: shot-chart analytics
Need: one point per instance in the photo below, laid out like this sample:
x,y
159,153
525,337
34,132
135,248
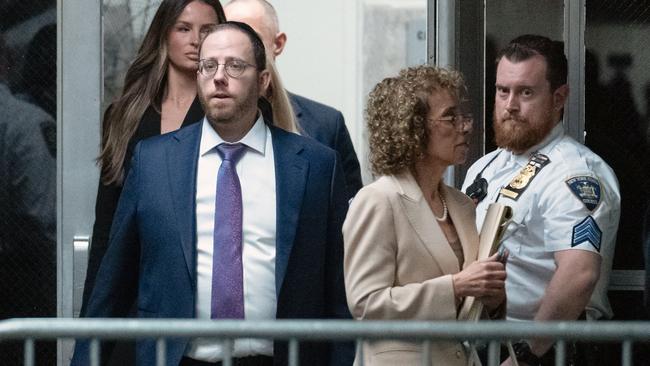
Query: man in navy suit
x,y
318,121
228,218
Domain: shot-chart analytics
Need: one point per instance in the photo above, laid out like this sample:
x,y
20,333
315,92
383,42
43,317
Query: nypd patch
x,y
587,189
587,231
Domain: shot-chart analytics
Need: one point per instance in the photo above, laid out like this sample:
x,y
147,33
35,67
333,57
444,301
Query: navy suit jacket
x,y
152,250
327,126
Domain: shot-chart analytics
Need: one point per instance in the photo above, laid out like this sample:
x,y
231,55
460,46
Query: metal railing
x,y
295,331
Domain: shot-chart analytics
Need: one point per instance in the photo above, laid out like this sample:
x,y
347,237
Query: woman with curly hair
x,y
410,240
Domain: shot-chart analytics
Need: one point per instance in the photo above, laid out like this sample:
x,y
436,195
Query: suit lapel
x,y
181,168
464,223
290,179
424,223
297,111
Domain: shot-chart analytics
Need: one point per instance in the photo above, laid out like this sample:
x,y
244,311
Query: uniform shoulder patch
x,y
587,231
587,189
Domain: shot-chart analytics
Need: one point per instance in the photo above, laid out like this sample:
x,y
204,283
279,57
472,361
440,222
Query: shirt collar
x,y
547,143
255,139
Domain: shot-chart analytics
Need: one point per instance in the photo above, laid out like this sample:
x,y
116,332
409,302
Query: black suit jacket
x,y
327,126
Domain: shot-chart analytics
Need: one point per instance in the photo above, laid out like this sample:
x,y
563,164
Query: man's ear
x,y
560,96
279,41
264,82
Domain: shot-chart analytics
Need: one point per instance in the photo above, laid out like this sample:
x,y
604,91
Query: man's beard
x,y
239,110
519,134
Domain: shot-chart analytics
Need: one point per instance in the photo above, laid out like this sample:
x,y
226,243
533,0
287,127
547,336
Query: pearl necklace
x,y
444,210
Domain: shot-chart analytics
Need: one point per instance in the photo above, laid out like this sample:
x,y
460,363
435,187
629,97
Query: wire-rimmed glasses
x,y
234,68
459,121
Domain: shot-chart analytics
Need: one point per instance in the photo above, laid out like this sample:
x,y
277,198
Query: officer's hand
x,y
482,279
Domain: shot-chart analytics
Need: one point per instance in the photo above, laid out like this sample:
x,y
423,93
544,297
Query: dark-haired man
x,y
565,198
228,219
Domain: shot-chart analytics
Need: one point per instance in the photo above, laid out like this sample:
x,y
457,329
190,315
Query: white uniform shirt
x,y
256,171
550,216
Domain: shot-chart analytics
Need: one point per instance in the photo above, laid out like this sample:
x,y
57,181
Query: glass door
x,y
28,161
617,95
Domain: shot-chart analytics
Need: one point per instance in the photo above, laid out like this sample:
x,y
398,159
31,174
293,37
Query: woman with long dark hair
x,y
159,96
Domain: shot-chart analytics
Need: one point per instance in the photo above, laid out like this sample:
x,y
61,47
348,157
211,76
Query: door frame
x,y
79,95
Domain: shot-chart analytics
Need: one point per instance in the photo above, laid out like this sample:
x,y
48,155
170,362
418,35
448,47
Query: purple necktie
x,y
227,267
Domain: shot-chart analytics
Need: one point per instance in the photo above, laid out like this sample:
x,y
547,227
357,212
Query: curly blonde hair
x,y
397,112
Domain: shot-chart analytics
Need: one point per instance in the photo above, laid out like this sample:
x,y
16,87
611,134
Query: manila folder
x,y
496,220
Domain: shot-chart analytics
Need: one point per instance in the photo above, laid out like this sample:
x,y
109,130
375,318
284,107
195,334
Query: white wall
x,y
320,60
335,56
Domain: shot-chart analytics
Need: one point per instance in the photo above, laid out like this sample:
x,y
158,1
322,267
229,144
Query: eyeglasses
x,y
459,121
234,68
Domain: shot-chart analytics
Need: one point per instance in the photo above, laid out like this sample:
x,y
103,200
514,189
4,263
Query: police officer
x,y
565,198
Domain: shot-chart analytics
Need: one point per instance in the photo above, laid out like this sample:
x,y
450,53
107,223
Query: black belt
x,y
237,361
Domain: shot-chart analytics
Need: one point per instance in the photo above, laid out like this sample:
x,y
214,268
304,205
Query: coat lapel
x,y
290,179
297,111
464,222
424,223
181,168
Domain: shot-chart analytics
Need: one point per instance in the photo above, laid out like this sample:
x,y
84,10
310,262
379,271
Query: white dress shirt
x,y
256,171
547,216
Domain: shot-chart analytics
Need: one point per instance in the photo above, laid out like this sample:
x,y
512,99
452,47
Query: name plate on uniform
x,y
519,184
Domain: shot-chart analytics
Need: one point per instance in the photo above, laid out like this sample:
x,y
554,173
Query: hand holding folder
x,y
494,226
496,221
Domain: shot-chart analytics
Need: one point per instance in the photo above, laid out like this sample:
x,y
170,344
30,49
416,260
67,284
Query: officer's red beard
x,y
518,134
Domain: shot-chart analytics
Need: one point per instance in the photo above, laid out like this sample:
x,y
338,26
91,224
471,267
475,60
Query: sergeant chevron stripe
x,y
587,231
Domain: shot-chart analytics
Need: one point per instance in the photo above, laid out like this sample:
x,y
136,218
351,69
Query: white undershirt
x,y
256,171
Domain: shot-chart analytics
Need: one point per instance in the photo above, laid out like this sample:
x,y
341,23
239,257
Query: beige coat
x,y
398,264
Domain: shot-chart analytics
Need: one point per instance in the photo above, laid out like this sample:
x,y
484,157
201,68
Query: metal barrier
x,y
295,331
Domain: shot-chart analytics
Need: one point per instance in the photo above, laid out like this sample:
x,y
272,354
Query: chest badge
x,y
587,189
519,184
